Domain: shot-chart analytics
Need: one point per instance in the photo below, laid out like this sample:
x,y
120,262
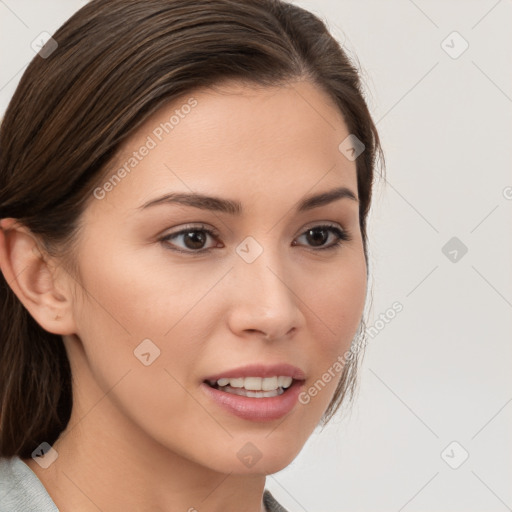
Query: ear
x,y
39,283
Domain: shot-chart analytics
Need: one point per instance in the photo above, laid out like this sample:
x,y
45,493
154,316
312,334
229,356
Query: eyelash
x,y
342,236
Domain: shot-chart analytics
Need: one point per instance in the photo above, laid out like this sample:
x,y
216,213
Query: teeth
x,y
236,383
284,382
253,383
269,383
257,383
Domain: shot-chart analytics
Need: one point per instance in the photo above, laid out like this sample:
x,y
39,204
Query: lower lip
x,y
256,409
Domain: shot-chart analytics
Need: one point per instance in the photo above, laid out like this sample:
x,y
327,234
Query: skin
x,y
146,438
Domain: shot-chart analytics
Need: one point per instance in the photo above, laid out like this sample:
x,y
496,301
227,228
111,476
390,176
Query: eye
x,y
194,238
317,236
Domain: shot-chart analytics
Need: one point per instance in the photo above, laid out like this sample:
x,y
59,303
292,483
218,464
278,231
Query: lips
x,y
256,392
257,370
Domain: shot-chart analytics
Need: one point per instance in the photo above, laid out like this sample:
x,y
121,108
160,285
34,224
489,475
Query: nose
x,y
262,300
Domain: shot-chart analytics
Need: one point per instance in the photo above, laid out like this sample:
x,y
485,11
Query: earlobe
x,y
33,278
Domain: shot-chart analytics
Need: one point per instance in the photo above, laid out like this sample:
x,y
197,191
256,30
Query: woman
x,y
184,189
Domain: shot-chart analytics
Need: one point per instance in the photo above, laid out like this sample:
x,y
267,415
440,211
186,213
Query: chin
x,y
261,464
262,454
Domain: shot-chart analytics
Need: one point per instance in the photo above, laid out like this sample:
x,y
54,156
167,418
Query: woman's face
x,y
244,287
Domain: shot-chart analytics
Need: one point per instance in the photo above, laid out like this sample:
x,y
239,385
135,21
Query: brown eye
x,y
194,239
317,237
191,240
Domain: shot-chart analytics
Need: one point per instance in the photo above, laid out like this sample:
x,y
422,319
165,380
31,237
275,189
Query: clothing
x,y
270,503
22,491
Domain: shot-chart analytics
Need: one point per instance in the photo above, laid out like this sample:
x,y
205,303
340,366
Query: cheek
x,y
128,312
335,318
128,302
135,296
338,304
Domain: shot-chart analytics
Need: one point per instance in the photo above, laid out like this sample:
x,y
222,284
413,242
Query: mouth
x,y
253,387
256,392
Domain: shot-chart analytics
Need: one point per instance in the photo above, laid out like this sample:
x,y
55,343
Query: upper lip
x,y
260,370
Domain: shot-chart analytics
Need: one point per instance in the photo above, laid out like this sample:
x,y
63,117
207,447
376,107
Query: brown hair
x,y
116,63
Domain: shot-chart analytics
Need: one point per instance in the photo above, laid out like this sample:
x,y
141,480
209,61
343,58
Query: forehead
x,y
233,138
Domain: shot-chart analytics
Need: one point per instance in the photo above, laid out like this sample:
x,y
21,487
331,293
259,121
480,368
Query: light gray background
x,y
440,370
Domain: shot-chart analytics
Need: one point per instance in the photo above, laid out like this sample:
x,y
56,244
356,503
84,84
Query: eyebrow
x,y
231,207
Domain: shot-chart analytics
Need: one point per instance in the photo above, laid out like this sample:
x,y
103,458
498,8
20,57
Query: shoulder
x,y
20,489
271,505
